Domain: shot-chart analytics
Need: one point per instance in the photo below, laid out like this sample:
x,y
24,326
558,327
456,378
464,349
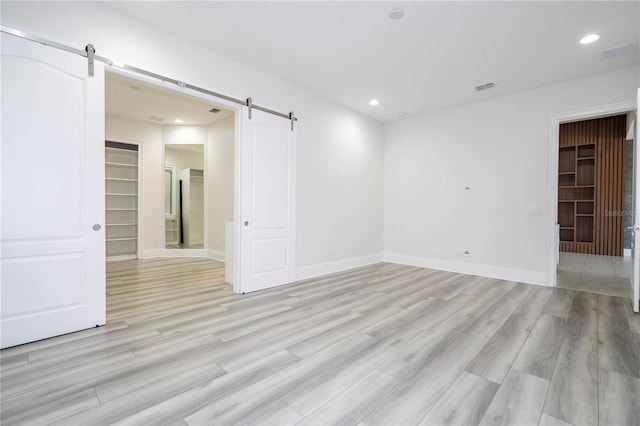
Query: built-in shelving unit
x,y
171,234
121,200
591,185
576,193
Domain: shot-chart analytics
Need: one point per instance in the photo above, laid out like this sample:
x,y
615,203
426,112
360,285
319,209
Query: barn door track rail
x,y
89,53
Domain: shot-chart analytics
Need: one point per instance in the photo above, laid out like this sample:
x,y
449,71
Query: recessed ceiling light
x,y
589,38
396,13
374,102
179,121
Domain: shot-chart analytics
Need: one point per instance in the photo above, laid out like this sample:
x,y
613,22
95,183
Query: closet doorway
x,y
186,166
595,167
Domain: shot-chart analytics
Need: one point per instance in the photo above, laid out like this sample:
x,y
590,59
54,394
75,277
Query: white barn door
x,y
268,207
52,156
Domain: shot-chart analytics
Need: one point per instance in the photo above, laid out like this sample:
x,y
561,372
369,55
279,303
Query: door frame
x,y
237,110
552,200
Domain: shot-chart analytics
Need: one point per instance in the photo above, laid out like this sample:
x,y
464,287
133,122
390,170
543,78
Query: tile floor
x,y
594,273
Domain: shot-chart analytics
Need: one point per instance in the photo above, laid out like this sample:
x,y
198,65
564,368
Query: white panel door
x,y
267,186
635,241
53,264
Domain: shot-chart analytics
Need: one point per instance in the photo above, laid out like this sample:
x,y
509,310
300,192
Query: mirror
x,y
184,196
170,190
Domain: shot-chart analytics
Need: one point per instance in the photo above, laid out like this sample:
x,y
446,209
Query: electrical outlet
x,y
535,211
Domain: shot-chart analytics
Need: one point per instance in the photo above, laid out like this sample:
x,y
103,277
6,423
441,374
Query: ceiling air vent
x,y
622,50
156,118
485,86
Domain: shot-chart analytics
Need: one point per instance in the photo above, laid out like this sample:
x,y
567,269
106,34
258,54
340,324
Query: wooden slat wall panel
x,y
608,135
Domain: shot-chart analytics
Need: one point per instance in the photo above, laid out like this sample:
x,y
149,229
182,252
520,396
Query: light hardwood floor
x,y
384,344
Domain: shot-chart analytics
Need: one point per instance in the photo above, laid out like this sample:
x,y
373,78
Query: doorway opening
x,y
594,182
186,189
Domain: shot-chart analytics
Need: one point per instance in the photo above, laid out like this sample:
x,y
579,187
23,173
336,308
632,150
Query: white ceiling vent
x,y
156,118
622,50
485,86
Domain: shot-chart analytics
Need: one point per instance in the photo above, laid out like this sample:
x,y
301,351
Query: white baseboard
x,y
216,255
502,273
150,254
121,258
311,271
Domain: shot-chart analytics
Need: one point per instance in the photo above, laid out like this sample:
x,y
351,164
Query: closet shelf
x,y
121,200
111,163
121,179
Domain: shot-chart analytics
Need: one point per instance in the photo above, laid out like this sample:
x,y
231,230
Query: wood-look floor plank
x,y
534,303
233,408
619,397
38,412
559,303
547,420
317,341
344,372
494,361
173,410
617,350
519,401
352,406
381,344
573,393
427,368
464,403
539,353
276,413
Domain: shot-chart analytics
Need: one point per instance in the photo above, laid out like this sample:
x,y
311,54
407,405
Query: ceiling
x,y
139,101
430,59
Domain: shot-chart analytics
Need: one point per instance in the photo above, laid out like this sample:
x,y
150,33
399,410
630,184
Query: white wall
x,y
500,148
340,152
219,180
183,159
184,135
